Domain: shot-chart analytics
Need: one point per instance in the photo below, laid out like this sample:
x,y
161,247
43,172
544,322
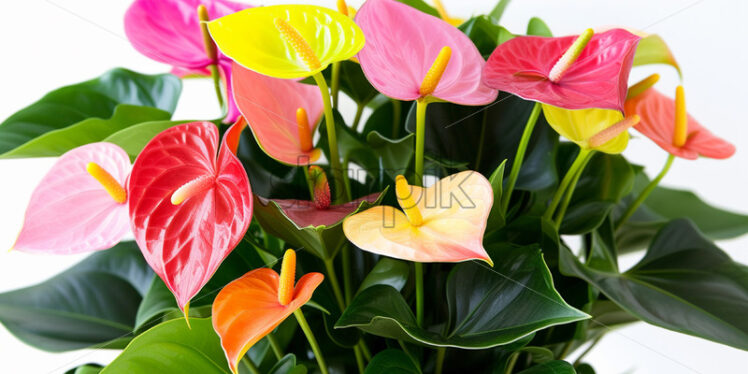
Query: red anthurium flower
x,y
189,208
80,205
168,31
252,306
402,46
282,114
666,122
318,212
590,71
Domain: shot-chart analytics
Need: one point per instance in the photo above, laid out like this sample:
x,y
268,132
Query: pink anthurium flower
x,y
318,212
590,71
189,208
80,205
403,43
168,31
441,223
667,123
282,114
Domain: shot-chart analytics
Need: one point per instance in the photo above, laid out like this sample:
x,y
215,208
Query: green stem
x,y
309,181
566,349
479,155
215,74
332,139
420,139
645,193
511,362
419,292
312,340
330,267
588,349
397,108
570,191
440,353
364,349
335,83
250,365
346,178
275,346
565,183
520,156
357,119
359,359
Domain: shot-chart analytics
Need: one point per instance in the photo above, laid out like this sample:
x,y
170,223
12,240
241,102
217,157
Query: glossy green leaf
x,y
287,365
132,139
537,27
454,132
498,10
392,361
422,6
539,355
96,98
382,119
652,49
92,303
388,271
487,306
85,369
173,347
665,204
552,367
57,142
683,283
485,33
585,369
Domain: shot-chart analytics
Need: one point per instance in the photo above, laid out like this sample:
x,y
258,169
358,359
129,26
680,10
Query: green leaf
x,y
172,347
388,271
392,361
496,219
96,98
322,241
454,132
94,303
487,307
684,283
287,365
665,204
537,27
382,119
498,10
653,50
85,369
485,33
57,142
134,138
585,369
422,6
540,355
554,367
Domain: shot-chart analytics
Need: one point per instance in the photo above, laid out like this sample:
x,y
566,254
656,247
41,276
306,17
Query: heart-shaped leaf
x,y
287,365
94,98
92,303
392,361
485,34
388,271
683,283
487,306
173,347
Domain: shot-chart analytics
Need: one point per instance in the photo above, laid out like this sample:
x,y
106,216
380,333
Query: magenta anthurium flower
x,y
189,208
80,205
403,43
168,31
282,114
539,69
666,122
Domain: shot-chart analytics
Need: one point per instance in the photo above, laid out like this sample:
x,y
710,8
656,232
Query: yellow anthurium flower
x,y
287,41
601,130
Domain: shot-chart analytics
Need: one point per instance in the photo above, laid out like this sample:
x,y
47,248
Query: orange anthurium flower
x,y
667,123
441,223
252,306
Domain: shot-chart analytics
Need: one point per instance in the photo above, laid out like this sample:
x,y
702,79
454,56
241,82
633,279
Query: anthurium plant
x,y
429,229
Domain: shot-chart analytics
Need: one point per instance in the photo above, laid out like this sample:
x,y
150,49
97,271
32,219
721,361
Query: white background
x,y
48,44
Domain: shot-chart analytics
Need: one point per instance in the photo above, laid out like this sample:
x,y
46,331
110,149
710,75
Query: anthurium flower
x,y
80,205
602,130
411,55
189,208
249,308
441,223
589,71
287,41
667,123
168,31
282,114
